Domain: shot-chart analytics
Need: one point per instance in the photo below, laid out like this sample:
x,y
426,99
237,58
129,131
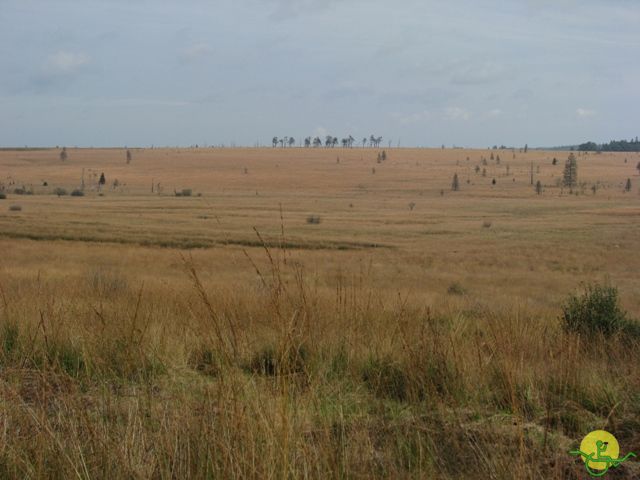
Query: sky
x,y
469,73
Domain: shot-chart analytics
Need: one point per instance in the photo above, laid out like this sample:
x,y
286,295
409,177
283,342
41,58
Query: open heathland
x,y
314,312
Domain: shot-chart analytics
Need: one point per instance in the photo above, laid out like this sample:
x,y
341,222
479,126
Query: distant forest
x,y
632,145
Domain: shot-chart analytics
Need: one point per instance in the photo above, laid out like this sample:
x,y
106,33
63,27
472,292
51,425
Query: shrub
x,y
22,191
59,191
596,310
77,193
313,219
186,192
3,196
539,187
631,329
456,289
486,224
455,184
15,208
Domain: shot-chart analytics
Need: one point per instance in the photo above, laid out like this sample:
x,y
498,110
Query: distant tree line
x,y
329,141
283,142
632,145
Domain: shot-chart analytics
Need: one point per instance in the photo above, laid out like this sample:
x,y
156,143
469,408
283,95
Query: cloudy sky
x,y
418,72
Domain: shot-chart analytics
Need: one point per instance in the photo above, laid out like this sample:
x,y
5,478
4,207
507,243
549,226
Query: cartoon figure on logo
x,y
600,451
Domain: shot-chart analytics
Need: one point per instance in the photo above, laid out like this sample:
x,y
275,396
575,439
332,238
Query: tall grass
x,y
103,378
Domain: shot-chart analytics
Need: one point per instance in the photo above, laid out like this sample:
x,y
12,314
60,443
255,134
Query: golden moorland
x,y
312,312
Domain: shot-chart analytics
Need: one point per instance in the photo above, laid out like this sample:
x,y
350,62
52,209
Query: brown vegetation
x,y
258,344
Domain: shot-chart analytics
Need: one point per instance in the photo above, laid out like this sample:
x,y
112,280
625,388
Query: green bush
x,y
77,193
596,310
3,196
59,191
631,330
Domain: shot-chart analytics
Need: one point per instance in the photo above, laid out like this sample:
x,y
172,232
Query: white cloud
x,y
496,112
585,112
66,62
457,113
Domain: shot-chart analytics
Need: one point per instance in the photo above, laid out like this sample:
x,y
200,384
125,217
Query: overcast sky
x,y
418,72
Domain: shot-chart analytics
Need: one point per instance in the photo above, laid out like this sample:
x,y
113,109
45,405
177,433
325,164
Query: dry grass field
x,y
408,331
